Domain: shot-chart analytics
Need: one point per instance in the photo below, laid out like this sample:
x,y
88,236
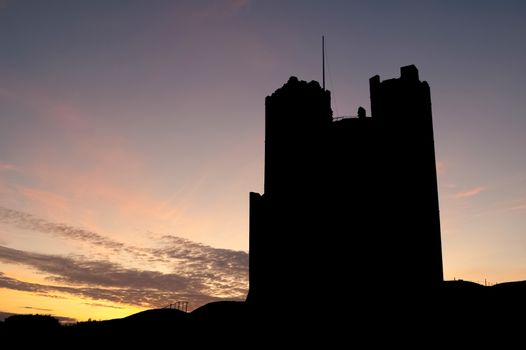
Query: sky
x,y
132,131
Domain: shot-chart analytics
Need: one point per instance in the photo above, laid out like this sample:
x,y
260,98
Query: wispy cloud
x,y
470,192
30,222
44,198
219,269
8,167
210,279
14,284
130,295
99,273
516,204
37,308
198,273
59,111
103,305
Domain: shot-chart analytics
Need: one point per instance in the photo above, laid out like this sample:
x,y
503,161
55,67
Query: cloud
x,y
219,269
14,284
198,273
201,278
30,222
146,298
37,308
470,193
8,167
44,198
106,276
61,112
99,273
517,207
103,305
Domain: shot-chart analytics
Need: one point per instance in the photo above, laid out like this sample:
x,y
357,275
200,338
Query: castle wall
x,y
368,181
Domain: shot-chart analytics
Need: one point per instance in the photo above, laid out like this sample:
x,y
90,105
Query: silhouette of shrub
x,y
32,323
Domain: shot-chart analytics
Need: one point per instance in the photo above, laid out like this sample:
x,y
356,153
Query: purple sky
x,y
140,123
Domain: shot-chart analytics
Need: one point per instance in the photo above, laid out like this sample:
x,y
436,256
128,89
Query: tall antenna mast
x,y
323,59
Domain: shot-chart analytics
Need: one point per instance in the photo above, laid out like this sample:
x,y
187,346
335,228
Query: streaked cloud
x,y
78,271
12,283
517,207
151,298
196,272
208,276
37,308
30,222
221,268
43,198
103,305
469,193
8,167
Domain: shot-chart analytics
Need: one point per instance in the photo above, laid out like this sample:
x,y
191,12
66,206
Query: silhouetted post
x,y
323,60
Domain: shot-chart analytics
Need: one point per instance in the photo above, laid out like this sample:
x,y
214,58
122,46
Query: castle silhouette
x,y
350,201
344,243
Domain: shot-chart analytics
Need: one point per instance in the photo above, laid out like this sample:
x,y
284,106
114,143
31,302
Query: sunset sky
x,y
131,132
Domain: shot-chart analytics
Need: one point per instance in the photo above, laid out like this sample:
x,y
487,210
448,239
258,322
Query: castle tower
x,y
370,181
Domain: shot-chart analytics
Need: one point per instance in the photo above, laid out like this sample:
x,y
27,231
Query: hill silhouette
x,y
459,309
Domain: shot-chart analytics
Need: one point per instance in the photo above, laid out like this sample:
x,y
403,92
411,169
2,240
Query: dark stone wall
x,y
348,201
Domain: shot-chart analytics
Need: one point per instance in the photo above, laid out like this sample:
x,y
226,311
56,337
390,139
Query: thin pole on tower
x,y
323,59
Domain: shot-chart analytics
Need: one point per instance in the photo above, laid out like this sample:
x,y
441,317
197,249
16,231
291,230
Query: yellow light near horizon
x,y
62,305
